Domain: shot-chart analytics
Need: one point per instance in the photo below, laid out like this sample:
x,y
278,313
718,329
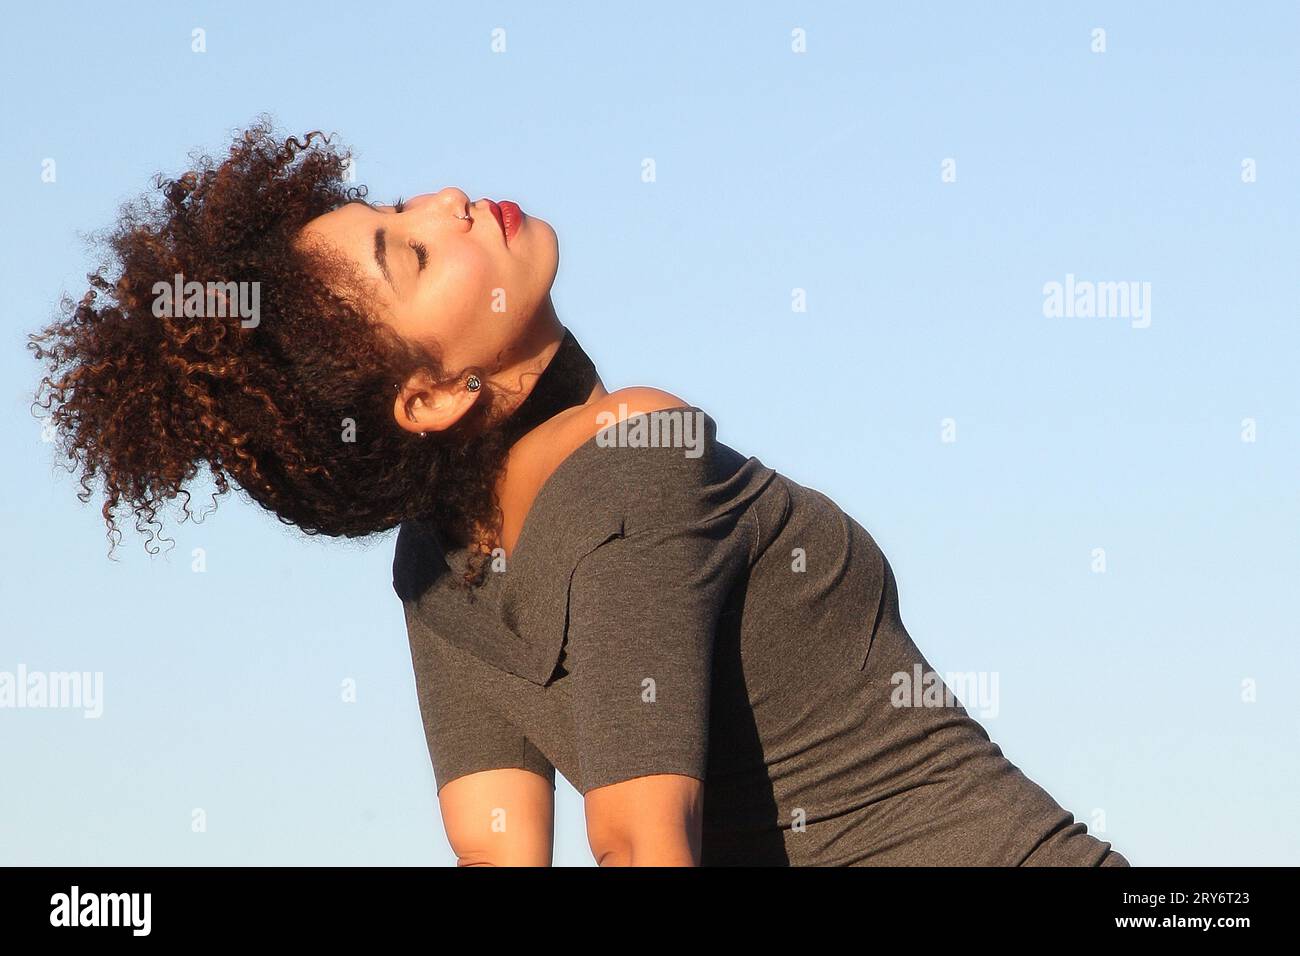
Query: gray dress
x,y
689,610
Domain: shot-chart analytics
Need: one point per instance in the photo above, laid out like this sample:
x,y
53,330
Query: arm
x,y
495,788
646,821
643,613
501,817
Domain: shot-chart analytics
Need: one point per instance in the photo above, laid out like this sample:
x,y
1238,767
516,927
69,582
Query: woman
x,y
711,653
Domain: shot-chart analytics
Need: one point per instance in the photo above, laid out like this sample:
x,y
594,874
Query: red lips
x,y
508,216
512,219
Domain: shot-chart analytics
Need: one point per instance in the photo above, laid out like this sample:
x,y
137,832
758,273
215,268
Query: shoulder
x,y
551,443
635,400
585,422
536,456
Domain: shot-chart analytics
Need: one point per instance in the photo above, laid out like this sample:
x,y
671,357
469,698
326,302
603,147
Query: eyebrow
x,y
381,256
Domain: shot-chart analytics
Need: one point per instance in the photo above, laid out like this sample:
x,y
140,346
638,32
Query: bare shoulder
x,y
625,403
577,426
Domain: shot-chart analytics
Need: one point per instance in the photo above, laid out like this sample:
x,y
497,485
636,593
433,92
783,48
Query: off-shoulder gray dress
x,y
689,610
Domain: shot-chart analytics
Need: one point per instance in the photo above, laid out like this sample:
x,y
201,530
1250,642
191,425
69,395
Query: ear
x,y
423,405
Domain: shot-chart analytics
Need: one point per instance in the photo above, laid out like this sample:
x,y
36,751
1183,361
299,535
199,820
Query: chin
x,y
545,241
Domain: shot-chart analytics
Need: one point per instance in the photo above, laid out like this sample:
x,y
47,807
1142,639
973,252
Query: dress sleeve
x,y
643,613
465,733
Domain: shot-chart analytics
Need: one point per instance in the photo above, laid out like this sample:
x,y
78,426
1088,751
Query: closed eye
x,y
421,254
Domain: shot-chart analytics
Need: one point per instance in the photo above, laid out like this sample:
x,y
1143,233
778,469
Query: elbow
x,y
619,846
514,857
611,845
483,861
652,820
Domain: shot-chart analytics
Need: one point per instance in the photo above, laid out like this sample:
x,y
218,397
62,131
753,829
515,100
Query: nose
x,y
444,204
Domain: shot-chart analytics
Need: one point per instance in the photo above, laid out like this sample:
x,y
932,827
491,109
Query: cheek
x,y
464,281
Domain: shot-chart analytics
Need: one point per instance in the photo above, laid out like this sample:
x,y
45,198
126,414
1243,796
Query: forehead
x,y
347,229
347,232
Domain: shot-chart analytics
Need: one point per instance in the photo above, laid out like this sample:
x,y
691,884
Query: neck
x,y
559,376
523,363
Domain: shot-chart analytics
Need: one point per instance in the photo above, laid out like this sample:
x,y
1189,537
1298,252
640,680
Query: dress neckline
x,y
554,479
568,463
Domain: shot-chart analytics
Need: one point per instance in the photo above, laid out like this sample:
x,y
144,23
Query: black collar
x,y
566,381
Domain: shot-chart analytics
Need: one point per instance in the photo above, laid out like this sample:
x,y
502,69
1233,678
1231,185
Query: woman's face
x,y
465,277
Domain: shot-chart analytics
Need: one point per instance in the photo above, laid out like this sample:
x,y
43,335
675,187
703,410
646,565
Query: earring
x,y
473,383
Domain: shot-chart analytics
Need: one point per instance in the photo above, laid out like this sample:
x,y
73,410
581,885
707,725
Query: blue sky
x,y
1120,692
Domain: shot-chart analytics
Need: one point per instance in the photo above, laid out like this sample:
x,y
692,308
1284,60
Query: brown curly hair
x,y
297,410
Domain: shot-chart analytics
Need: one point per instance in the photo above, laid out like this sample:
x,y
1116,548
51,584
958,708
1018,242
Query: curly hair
x,y
297,410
